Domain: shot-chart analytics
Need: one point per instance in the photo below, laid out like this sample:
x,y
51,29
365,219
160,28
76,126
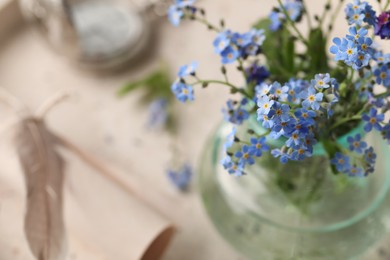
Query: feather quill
x,y
44,173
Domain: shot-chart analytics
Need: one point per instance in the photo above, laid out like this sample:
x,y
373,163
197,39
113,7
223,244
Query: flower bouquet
x,y
308,129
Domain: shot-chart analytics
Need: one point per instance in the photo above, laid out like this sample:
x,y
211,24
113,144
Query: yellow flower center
x,y
383,75
312,98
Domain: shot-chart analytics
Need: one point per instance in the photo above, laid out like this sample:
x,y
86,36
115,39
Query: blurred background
x,y
113,129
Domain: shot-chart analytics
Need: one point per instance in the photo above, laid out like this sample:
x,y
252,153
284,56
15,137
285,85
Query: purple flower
x,y
382,27
257,74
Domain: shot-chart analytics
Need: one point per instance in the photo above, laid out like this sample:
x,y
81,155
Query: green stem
x,y
208,24
309,23
323,16
292,24
228,84
334,16
345,120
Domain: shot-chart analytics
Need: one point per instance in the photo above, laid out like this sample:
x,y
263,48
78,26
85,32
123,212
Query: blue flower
x,y
182,91
321,81
296,87
278,91
266,121
370,156
295,139
342,162
383,75
386,132
181,178
281,113
232,167
262,90
360,12
250,50
258,145
373,120
305,115
158,113
257,36
175,15
355,34
294,10
346,51
230,138
222,41
312,98
382,58
241,39
300,153
356,144
245,156
284,157
236,113
356,172
277,19
265,104
187,70
230,54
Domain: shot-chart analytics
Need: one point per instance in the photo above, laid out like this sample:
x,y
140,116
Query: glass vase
x,y
300,210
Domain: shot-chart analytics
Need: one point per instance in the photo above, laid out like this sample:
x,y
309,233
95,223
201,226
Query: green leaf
x,y
155,85
129,87
279,49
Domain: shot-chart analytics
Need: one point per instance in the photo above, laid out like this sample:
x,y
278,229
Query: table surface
x,y
115,129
